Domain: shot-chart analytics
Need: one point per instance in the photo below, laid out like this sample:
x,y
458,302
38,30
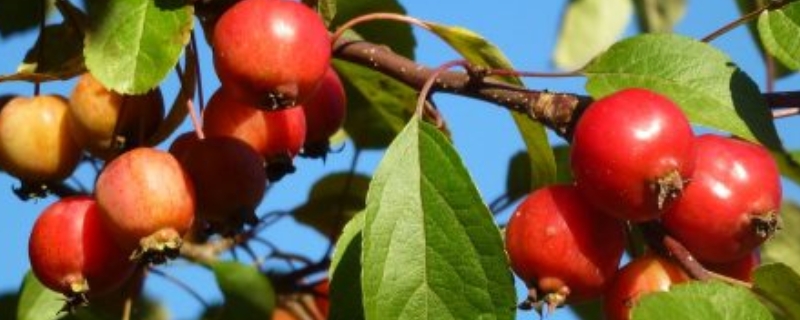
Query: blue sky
x,y
484,134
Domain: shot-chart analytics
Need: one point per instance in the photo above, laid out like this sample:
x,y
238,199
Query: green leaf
x,y
779,284
788,164
659,15
748,6
779,29
701,300
327,9
587,28
37,302
8,305
783,247
61,50
345,286
479,51
702,80
518,182
333,201
248,294
396,35
18,16
588,310
378,106
131,45
431,249
178,111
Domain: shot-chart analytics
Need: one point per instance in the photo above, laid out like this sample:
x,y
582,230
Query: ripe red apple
x,y
277,135
147,201
35,141
563,248
632,153
731,205
228,176
73,253
271,52
105,123
325,113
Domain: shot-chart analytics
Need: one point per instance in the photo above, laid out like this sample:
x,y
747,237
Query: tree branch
x,y
557,111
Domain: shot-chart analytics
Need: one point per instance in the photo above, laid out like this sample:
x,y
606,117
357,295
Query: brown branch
x,y
665,245
555,110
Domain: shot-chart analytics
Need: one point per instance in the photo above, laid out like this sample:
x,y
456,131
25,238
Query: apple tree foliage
x,y
415,240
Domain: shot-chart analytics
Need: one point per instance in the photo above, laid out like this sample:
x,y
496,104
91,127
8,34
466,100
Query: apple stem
x,y
423,104
375,17
193,115
667,246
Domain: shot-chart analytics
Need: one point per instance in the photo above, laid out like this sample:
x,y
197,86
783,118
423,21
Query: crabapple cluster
x,y
279,98
635,159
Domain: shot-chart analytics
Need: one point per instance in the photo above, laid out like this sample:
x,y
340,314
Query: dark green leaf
x,y
431,249
345,286
377,106
588,310
396,35
778,30
780,285
784,246
701,300
587,28
479,51
131,45
248,294
61,53
702,80
333,201
37,302
518,182
178,111
748,6
21,15
111,308
659,15
8,305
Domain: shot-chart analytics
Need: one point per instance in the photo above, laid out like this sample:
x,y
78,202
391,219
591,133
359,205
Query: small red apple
x,y
147,201
271,52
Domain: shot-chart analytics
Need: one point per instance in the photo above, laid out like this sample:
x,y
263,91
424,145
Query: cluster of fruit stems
x,y
557,111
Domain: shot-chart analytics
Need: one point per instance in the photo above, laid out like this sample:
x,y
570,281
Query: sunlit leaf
x,y
659,15
131,45
702,80
748,6
37,302
781,286
479,51
784,247
779,29
701,300
248,294
587,28
426,230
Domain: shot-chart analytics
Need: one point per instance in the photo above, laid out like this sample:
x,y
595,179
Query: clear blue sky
x,y
483,133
